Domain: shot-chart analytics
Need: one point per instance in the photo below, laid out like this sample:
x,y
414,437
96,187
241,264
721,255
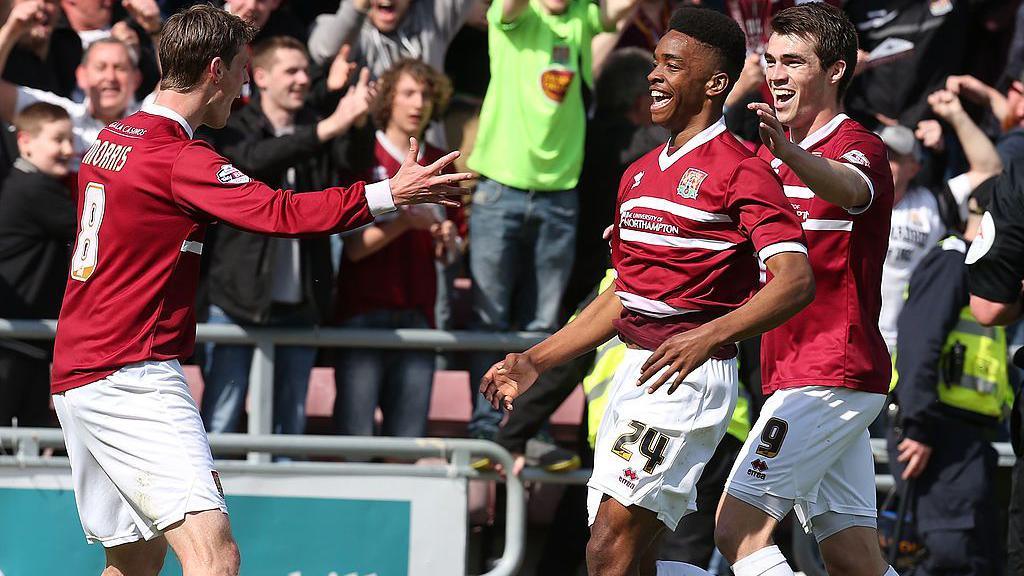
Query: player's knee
x,y
229,560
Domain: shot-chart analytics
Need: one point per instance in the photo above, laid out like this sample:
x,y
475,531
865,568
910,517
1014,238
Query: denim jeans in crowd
x,y
522,244
399,381
227,379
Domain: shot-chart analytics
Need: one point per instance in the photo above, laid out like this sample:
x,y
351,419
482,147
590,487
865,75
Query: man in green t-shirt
x,y
529,151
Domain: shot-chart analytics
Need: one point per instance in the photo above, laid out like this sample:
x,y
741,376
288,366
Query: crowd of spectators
x,y
338,88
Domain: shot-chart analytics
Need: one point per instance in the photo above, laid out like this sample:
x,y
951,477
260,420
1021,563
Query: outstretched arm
x,y
507,379
789,291
834,182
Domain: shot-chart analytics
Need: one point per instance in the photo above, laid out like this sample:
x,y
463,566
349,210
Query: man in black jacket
x,y
37,225
260,281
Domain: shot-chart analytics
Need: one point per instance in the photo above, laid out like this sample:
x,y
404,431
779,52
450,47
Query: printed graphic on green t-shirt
x,y
532,124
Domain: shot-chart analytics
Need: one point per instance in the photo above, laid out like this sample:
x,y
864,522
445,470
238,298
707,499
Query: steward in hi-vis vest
x,y
952,392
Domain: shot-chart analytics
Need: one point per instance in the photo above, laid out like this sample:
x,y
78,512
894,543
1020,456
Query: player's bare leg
x,y
140,558
853,552
741,529
622,540
204,544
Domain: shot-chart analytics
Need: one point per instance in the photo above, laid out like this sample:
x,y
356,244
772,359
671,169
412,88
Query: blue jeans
x,y
227,380
399,381
522,247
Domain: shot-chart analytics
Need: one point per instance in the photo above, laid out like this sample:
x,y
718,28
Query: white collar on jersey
x,y
821,133
158,110
665,160
394,151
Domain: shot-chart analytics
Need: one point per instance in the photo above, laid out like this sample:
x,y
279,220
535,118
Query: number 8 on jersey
x,y
83,263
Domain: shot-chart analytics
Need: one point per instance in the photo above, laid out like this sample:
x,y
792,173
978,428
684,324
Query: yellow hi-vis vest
x,y
984,385
597,382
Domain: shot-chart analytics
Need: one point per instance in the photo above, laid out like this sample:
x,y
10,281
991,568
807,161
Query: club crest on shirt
x,y
689,184
857,157
228,174
555,83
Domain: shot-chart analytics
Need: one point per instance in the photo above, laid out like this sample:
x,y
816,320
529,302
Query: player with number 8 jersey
x,y
141,463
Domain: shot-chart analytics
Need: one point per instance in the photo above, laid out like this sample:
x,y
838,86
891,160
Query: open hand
x,y
341,69
415,184
507,379
772,133
679,355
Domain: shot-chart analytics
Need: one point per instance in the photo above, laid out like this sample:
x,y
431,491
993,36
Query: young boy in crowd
x,y
37,224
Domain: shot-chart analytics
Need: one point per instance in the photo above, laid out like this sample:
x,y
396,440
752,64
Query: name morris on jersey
x,y
107,156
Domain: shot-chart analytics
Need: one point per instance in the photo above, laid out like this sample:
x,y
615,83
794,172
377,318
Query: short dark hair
x,y
192,38
263,51
438,87
623,79
717,31
828,29
33,117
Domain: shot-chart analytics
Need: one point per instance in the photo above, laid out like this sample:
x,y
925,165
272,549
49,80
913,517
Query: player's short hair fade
x,y
192,38
828,29
264,51
715,30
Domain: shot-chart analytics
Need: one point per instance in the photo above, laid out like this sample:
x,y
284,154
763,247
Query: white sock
x,y
765,562
891,572
666,568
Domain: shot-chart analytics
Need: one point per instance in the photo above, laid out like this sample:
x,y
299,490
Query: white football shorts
x,y
140,457
652,448
810,451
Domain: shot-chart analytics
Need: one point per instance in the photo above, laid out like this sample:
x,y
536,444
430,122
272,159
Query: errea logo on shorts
x,y
228,174
757,469
628,478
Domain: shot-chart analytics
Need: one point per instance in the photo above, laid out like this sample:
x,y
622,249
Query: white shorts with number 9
x,y
810,451
652,448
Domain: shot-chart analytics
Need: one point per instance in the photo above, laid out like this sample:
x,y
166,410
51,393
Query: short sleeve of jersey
x,y
864,153
765,216
996,256
204,183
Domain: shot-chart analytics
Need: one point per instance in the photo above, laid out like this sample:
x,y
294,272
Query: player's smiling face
x,y
800,87
679,81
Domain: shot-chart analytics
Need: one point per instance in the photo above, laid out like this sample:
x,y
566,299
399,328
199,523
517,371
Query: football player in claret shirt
x,y
827,369
140,459
691,216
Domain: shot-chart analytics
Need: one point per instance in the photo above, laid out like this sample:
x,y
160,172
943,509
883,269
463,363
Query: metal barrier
x,y
26,443
261,376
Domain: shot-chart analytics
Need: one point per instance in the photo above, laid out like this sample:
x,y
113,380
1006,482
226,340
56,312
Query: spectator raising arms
x,y
381,32
37,223
260,281
387,275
